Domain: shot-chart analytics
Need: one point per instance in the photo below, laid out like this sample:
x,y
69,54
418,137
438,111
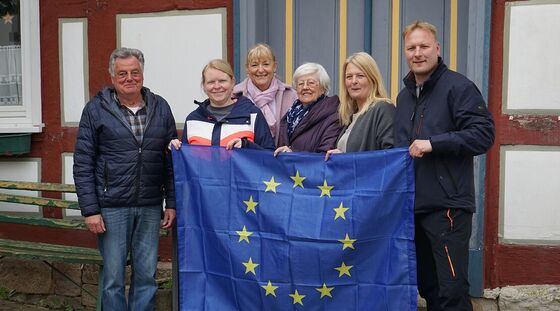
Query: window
x,y
20,69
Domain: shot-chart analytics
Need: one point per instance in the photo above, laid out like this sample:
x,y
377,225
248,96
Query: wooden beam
x,y
37,186
49,202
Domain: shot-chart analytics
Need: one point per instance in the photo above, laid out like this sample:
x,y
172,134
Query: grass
x,y
6,293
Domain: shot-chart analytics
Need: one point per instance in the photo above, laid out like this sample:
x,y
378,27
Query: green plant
x,y
167,284
6,293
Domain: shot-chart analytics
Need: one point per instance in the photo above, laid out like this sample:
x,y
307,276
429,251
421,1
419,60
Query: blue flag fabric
x,y
295,232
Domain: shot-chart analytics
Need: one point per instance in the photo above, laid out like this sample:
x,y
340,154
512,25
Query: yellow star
x,y
325,189
297,298
244,235
344,269
340,212
347,242
8,18
325,291
250,266
251,205
298,180
271,185
270,289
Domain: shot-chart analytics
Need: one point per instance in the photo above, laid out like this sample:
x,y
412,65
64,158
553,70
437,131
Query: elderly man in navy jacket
x,y
443,120
122,174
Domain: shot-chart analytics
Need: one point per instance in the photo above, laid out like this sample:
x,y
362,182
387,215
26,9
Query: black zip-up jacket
x,y
452,114
111,169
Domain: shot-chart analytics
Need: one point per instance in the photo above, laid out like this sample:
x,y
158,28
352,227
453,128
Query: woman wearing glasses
x,y
311,124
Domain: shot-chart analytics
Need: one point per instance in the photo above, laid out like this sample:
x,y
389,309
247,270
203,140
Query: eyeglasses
x,y
311,83
135,74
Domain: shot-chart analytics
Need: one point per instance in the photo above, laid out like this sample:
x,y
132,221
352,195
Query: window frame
x,y
27,118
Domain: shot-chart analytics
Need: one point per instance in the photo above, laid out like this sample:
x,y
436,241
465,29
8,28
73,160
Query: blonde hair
x,y
218,64
377,93
260,51
419,25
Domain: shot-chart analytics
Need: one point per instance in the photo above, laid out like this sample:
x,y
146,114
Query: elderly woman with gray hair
x,y
311,124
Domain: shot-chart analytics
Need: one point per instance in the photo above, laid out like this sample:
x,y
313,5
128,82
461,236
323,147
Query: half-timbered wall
x,y
177,36
522,237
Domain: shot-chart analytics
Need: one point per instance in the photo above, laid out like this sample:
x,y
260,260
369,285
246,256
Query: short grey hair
x,y
125,53
313,68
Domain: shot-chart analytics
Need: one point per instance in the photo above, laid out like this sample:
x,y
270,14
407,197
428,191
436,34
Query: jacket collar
x,y
410,81
237,111
107,95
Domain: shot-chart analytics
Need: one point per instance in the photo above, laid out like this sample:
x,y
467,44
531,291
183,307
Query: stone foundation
x,y
515,298
35,283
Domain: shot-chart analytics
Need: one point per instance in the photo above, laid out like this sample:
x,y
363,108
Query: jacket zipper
x,y
138,172
414,133
139,162
105,178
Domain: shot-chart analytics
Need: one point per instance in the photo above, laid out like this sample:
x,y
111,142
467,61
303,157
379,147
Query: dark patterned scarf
x,y
297,112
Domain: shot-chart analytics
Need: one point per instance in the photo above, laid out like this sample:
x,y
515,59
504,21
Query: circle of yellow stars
x,y
339,213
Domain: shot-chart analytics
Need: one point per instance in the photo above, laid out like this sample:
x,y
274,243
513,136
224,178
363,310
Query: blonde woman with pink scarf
x,y
272,96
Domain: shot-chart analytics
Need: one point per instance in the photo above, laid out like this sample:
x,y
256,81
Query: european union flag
x,y
295,232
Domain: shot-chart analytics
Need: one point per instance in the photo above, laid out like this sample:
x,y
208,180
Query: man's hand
x,y
168,218
420,147
175,143
95,224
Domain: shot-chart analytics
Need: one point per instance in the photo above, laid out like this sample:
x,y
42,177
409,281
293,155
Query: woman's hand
x,y
282,149
332,151
234,143
175,143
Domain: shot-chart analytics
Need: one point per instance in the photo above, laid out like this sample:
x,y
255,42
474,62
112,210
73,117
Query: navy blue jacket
x,y
245,121
452,114
111,169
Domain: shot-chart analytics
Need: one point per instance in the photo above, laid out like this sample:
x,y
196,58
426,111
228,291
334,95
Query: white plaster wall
x,y
24,170
68,178
176,46
73,55
531,185
531,60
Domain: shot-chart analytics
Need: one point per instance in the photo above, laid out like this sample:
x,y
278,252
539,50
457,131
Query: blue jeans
x,y
134,230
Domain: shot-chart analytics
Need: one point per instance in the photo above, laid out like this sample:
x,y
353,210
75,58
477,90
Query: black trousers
x,y
442,255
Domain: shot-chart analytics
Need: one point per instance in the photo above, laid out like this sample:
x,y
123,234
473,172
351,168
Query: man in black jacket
x,y
122,174
443,120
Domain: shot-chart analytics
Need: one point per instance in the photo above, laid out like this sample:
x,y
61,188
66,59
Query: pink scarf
x,y
263,99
